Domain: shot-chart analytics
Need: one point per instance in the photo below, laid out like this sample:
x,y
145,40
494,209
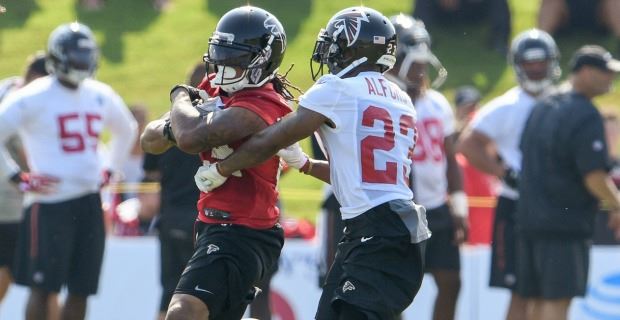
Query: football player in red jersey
x,y
367,127
238,239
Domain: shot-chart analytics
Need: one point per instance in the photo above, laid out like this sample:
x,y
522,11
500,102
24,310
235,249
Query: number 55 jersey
x,y
369,138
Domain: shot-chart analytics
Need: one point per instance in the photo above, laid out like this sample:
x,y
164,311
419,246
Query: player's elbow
x,y
188,142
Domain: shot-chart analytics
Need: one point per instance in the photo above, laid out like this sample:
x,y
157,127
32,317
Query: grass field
x,y
145,52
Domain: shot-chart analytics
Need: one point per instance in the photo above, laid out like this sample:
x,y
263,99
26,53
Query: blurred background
x,y
146,49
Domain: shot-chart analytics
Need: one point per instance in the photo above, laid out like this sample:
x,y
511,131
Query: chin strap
x,y
351,66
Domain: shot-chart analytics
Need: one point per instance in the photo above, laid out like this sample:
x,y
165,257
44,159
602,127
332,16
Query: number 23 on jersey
x,y
397,146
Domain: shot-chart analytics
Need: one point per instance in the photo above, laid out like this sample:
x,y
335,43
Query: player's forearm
x,y
187,123
602,187
252,153
454,175
319,170
479,157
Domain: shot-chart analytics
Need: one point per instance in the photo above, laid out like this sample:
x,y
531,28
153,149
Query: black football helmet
x,y
530,46
354,36
249,38
72,53
414,46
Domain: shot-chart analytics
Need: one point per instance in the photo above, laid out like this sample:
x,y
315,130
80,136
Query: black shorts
x,y
552,268
379,275
442,253
583,14
229,260
8,243
503,270
176,248
62,243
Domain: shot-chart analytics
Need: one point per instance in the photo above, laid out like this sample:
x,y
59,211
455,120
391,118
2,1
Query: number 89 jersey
x,y
435,124
370,140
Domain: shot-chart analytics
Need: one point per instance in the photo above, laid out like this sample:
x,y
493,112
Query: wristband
x,y
459,204
168,132
307,167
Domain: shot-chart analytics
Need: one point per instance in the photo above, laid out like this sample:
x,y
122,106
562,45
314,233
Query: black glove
x,y
194,93
511,178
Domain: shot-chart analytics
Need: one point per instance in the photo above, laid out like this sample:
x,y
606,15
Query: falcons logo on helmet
x,y
271,24
350,23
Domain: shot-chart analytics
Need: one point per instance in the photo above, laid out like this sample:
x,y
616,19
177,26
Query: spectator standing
x,y
238,238
367,125
494,133
60,119
596,15
435,13
437,179
564,176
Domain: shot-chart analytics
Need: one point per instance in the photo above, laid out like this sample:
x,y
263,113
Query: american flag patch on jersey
x,y
378,40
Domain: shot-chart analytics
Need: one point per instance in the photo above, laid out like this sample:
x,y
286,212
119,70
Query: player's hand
x,y
194,93
293,156
614,223
511,178
208,177
32,182
461,229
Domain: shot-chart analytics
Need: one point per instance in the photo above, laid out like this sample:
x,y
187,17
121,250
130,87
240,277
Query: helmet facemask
x,y
72,53
228,57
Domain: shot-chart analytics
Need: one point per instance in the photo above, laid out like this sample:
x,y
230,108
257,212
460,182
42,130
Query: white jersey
x,y
10,198
370,146
435,124
60,129
502,120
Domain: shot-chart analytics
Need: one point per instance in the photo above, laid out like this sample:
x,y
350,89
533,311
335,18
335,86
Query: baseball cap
x,y
596,56
466,95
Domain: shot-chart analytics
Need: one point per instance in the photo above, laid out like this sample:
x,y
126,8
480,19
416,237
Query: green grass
x,y
145,52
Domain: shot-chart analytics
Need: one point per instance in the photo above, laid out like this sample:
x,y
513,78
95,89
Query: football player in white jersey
x,y
495,132
59,119
437,179
367,126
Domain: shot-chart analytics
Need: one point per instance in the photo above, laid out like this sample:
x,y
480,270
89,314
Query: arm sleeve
x,y
123,128
590,146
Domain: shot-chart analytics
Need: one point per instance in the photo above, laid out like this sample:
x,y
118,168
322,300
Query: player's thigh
x,y
45,245
89,246
8,243
380,277
503,246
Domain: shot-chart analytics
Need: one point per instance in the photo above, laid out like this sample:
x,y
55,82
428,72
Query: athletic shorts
x,y
503,273
552,268
229,260
441,251
378,271
8,243
583,14
62,243
176,248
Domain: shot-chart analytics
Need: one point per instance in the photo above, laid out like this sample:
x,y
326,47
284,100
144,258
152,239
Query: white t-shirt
x,y
60,129
502,120
435,123
370,144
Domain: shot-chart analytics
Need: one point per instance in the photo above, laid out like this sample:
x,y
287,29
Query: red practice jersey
x,y
248,197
